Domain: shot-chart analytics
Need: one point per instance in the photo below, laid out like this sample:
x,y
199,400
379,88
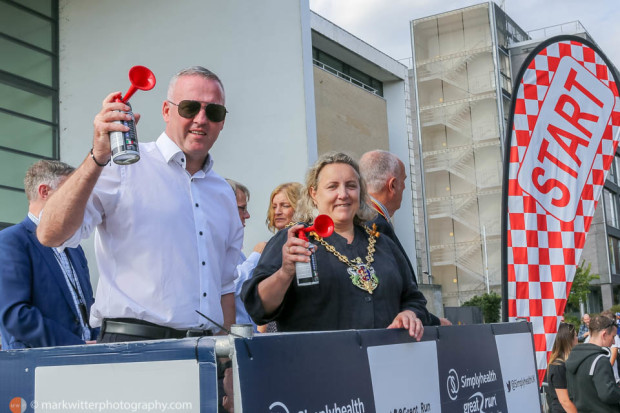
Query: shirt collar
x,y
171,152
380,208
33,218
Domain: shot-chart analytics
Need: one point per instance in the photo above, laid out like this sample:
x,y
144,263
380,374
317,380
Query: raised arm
x,y
272,289
64,211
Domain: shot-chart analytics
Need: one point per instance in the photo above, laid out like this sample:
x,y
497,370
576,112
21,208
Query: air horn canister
x,y
306,272
124,145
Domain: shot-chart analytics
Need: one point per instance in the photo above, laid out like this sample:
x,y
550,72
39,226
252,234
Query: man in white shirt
x,y
168,235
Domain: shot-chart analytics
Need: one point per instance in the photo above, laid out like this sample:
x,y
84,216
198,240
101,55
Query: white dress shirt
x,y
167,243
245,269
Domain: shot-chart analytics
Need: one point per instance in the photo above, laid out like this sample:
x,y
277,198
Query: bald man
x,y
385,178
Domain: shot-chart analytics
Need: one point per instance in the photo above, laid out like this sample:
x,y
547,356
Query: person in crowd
x,y
558,399
613,349
584,332
168,235
590,378
363,278
246,265
45,293
385,178
282,205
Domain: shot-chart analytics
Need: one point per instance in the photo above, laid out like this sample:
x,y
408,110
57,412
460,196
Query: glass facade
x,y
611,202
28,96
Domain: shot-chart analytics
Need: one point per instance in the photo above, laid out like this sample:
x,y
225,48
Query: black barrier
x,y
153,376
466,369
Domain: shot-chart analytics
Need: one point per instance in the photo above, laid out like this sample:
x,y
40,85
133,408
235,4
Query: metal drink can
x,y
124,145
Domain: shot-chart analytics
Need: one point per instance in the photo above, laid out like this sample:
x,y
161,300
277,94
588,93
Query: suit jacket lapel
x,y
50,260
76,256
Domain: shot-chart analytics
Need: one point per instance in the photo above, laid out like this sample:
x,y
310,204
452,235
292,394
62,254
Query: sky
x,y
384,24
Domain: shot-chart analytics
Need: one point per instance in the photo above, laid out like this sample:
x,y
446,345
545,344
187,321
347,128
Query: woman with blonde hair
x,y
363,279
282,205
557,396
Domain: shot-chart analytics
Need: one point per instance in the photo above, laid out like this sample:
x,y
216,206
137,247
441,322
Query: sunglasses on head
x,y
571,328
190,108
609,324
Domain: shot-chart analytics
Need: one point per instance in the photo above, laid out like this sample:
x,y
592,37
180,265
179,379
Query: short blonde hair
x,y
292,192
306,211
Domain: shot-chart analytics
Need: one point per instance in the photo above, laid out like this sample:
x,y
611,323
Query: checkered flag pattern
x,y
543,252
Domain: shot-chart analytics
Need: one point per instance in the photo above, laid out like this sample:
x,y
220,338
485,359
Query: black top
x,y
556,378
385,228
335,303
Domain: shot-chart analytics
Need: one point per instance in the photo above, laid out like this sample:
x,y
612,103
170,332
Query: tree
x,y
581,284
490,305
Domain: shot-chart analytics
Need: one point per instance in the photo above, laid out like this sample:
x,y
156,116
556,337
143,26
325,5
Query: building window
x,y
610,200
614,255
28,96
613,171
338,68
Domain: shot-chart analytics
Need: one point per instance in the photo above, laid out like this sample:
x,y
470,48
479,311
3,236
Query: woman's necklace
x,y
362,275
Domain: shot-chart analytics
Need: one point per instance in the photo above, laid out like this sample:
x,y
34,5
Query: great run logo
x,y
455,382
477,403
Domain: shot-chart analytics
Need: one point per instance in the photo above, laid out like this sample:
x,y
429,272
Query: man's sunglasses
x,y
190,108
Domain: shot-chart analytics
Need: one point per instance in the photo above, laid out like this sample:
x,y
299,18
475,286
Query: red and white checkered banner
x,y
562,137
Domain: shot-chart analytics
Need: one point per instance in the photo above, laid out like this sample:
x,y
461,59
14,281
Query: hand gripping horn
x,y
124,145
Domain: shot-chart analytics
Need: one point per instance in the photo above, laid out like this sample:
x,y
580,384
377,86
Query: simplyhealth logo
x,y
455,382
355,406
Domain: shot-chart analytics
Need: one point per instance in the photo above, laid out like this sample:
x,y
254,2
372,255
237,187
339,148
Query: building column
x,y
607,294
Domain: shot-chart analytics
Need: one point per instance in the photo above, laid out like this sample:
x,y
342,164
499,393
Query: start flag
x,y
561,140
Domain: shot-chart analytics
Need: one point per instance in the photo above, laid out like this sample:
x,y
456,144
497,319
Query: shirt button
x,y
204,294
196,205
182,159
203,263
368,299
200,233
192,179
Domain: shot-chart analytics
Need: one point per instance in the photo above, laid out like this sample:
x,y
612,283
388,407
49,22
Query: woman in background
x,y
282,205
557,396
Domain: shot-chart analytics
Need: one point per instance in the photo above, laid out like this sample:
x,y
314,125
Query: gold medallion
x,y
363,276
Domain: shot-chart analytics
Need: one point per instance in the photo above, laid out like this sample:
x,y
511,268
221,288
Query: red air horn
x,y
323,226
124,145
141,78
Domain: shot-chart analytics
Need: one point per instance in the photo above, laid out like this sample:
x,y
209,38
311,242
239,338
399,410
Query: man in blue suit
x,y
45,293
